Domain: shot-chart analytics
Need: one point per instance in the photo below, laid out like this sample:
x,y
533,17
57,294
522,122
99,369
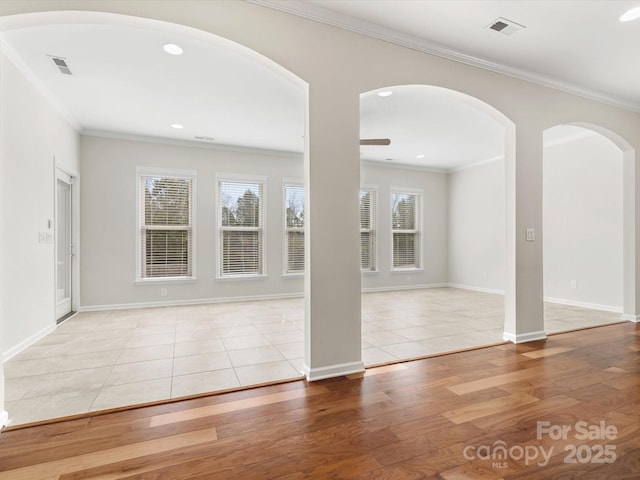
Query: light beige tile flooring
x,y
413,323
102,360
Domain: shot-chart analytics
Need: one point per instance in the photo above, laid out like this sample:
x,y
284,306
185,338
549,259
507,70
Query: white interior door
x,y
63,244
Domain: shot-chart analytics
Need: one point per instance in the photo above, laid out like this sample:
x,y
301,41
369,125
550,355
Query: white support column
x,y
631,213
332,234
4,415
524,305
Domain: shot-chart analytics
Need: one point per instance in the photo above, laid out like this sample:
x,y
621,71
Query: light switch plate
x,y
531,234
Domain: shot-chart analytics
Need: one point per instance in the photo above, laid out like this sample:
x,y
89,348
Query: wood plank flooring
x,y
564,408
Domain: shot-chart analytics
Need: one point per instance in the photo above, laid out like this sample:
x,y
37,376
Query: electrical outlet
x,y
573,284
163,292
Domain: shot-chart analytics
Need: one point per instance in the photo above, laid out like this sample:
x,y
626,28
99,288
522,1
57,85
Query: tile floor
x,y
102,360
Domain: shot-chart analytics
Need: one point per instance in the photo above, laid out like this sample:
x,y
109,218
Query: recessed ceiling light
x,y
172,49
386,93
419,156
176,125
629,15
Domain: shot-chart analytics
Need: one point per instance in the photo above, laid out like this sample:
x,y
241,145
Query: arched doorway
x,y
432,222
187,163
585,198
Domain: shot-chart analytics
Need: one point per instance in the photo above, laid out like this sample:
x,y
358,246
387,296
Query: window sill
x,y
369,272
293,275
227,278
165,280
407,270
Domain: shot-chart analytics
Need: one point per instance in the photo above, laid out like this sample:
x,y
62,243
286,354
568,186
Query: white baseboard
x,y
197,301
475,289
248,298
16,349
630,318
524,337
591,306
561,301
403,287
331,371
4,418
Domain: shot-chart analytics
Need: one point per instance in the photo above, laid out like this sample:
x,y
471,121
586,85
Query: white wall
x,y
338,66
33,134
582,230
109,221
583,222
434,225
477,227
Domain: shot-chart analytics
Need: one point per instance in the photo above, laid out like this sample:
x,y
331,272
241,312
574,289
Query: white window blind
x,y
294,227
368,230
405,228
166,231
241,227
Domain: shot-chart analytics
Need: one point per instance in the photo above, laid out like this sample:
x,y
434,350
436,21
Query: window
x,y
368,230
294,227
406,230
241,246
165,225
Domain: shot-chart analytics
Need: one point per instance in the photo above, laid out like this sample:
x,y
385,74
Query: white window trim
x,y
165,172
285,254
374,189
419,222
237,177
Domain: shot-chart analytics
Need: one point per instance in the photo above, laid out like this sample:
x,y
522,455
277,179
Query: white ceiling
x,y
428,126
576,45
124,83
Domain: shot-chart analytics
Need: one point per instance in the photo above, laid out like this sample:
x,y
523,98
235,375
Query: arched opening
x,y
144,332
584,227
432,222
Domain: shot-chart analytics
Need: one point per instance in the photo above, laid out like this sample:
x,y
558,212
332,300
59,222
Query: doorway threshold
x,y
65,317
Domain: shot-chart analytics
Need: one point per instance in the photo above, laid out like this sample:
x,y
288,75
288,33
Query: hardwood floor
x,y
504,412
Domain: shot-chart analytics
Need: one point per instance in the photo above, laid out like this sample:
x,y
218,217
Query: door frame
x,y
69,178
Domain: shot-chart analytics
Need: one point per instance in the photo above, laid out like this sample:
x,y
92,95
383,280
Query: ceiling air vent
x,y
507,27
62,65
205,138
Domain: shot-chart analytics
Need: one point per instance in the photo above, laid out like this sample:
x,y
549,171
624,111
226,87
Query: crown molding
x,y
131,137
476,164
322,15
403,166
579,135
585,133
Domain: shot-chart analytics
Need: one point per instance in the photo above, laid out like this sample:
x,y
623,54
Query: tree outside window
x,y
241,232
165,226
294,228
367,230
406,234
